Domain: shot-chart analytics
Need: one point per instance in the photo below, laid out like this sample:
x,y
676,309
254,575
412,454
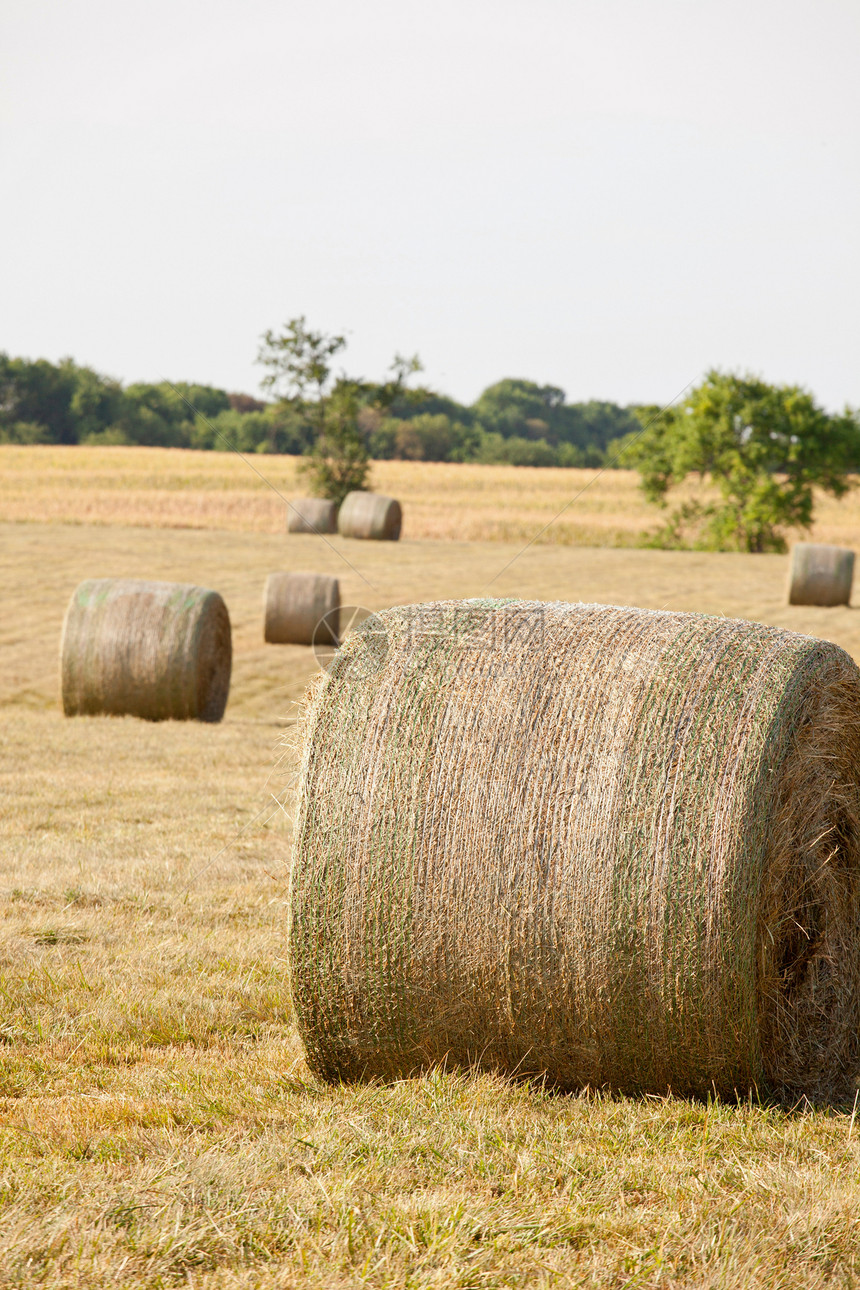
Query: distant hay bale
x,y
311,515
369,515
301,609
156,650
820,574
606,846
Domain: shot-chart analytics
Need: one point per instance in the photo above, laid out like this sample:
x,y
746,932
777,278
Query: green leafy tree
x,y
42,402
95,404
763,447
394,392
154,415
299,371
598,423
163,415
37,394
299,363
422,401
524,410
339,460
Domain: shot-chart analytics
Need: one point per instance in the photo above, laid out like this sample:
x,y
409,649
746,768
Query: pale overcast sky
x,y
609,195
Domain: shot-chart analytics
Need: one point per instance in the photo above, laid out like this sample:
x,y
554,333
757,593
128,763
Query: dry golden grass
x,y
173,488
157,1124
41,564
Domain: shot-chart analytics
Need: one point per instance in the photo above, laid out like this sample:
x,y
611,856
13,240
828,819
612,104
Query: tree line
x,y
519,422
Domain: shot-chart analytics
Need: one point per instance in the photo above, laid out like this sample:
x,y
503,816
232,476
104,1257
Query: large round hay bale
x,y
311,515
369,515
608,846
157,650
820,574
301,609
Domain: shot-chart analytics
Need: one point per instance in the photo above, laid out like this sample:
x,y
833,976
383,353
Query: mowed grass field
x,y
158,1126
218,490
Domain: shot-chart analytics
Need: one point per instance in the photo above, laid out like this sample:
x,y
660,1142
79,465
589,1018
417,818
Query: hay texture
x,y
608,846
311,515
301,609
820,574
369,515
157,650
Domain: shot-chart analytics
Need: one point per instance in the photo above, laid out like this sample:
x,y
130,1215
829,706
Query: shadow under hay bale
x,y
301,609
608,846
369,515
311,515
157,650
820,574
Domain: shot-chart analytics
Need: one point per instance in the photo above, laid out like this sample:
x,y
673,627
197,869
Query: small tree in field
x,y
299,369
339,460
763,447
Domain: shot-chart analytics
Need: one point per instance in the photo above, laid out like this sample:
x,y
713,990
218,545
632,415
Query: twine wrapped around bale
x,y
301,609
608,846
369,515
311,515
156,650
820,574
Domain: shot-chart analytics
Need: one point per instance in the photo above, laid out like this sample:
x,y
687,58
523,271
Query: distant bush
x,y
25,432
426,437
515,451
277,429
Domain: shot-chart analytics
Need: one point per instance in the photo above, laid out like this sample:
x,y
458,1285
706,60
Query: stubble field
x,y
157,1124
158,487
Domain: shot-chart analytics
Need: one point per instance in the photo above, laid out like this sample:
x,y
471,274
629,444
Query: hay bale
x,y
149,649
609,846
820,574
369,515
311,515
301,609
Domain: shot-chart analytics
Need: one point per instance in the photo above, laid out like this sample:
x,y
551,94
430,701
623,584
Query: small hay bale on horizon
x,y
301,609
604,846
311,515
820,574
156,650
370,515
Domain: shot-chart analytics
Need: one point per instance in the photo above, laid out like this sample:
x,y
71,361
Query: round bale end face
x,y
311,515
156,650
603,846
301,609
212,651
820,574
370,516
